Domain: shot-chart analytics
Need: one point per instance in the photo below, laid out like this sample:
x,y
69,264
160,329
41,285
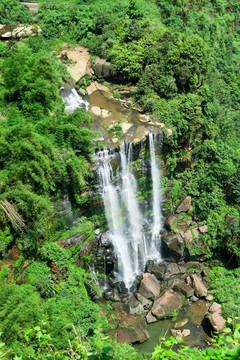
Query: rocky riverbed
x,y
174,289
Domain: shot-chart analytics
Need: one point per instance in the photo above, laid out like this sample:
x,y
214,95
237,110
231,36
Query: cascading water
x,y
137,241
132,246
156,197
73,100
113,211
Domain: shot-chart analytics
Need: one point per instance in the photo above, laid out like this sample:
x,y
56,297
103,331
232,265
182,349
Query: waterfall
x,y
132,245
129,196
73,100
156,197
111,197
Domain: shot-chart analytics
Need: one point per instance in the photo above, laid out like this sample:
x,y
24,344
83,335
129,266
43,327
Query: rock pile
x,y
215,320
159,294
184,236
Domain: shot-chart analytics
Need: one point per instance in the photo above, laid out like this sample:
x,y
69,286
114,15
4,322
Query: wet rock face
x,y
166,304
62,208
112,295
157,270
172,244
104,239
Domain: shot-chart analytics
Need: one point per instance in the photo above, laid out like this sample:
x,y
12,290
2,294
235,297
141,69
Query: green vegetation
x,y
12,12
221,281
184,59
52,149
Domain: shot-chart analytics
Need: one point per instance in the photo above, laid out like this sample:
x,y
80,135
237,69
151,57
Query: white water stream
x,y
156,198
74,101
133,247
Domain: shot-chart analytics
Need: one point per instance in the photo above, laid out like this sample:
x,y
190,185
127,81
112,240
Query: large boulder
x,y
149,286
150,318
112,295
167,303
185,205
80,62
140,135
194,246
199,287
103,68
132,329
215,307
133,306
171,269
94,86
145,302
157,270
170,222
172,244
215,321
184,289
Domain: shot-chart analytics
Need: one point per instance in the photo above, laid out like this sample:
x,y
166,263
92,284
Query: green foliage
x,y
116,129
40,277
133,10
11,11
221,281
184,58
32,80
6,239
4,272
117,95
54,253
58,20
51,148
222,350
30,323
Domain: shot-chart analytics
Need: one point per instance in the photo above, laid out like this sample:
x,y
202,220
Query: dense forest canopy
x,y
184,59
